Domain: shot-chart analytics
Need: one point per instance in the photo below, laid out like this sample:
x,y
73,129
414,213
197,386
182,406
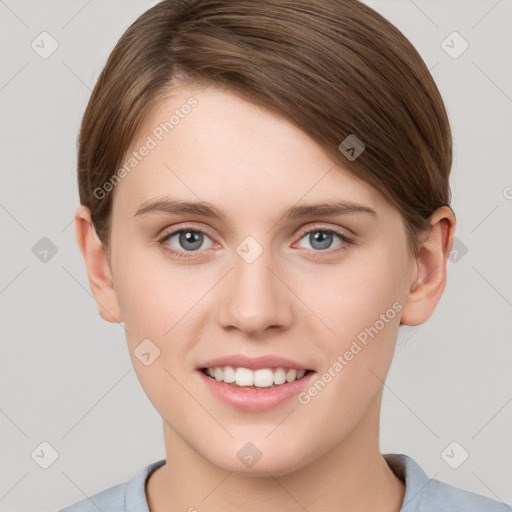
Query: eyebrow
x,y
205,209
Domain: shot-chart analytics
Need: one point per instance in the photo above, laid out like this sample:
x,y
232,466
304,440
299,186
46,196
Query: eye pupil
x,y
190,237
324,238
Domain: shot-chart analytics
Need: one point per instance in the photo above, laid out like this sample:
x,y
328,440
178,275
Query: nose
x,y
255,297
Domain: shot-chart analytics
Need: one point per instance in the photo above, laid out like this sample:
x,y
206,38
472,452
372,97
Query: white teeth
x,y
244,377
229,374
262,378
280,376
291,375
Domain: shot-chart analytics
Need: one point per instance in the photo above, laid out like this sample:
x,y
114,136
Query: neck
x,y
353,476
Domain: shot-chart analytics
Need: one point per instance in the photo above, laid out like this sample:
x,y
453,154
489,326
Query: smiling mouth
x,y
263,378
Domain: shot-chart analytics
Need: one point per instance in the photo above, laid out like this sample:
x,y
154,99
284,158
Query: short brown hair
x,y
333,68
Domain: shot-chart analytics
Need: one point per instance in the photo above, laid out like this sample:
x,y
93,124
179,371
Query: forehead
x,y
209,144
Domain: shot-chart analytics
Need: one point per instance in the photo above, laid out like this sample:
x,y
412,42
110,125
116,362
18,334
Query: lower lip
x,y
255,399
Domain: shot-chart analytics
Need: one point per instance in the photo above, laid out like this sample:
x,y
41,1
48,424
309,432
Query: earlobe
x,y
98,268
430,279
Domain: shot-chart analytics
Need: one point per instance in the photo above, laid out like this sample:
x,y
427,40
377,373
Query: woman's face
x,y
269,279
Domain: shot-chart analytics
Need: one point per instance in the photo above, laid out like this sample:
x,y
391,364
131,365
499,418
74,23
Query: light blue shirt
x,y
422,494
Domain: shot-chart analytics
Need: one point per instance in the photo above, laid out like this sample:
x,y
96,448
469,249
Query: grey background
x,y
66,376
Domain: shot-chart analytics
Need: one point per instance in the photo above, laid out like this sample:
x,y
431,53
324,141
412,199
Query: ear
x,y
98,268
429,282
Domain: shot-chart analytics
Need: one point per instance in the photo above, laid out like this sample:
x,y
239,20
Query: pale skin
x,y
252,164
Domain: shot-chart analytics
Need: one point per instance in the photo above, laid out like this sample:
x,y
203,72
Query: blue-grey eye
x,y
188,239
320,239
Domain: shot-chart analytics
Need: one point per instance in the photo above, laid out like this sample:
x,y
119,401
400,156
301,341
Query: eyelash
x,y
183,254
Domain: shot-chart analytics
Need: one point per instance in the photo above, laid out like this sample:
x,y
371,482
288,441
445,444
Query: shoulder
x,y
124,497
423,494
109,500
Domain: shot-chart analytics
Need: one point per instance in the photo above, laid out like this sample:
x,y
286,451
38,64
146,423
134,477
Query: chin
x,y
247,460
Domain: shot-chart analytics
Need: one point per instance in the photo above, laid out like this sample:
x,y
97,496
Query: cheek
x,y
160,303
153,295
352,296
362,311
156,302
358,305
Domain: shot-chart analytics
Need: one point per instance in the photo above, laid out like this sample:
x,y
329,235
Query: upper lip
x,y
253,363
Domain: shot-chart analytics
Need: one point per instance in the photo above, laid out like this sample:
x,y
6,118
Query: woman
x,y
264,193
